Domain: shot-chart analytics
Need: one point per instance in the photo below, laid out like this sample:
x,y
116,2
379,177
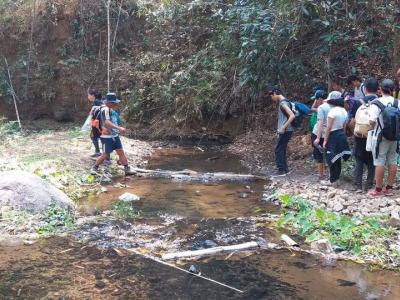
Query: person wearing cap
x,y
335,143
362,156
284,130
318,131
110,135
385,152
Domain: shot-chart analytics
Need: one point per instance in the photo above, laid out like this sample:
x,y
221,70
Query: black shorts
x,y
111,144
317,154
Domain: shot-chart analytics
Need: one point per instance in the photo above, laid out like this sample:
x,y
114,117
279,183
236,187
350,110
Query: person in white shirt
x,y
385,151
358,85
335,142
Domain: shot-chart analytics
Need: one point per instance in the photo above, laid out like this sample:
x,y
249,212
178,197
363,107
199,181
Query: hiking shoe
x,y
329,183
388,191
129,172
108,162
279,174
94,170
97,154
376,193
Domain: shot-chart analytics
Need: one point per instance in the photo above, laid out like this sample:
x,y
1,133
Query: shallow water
x,y
94,263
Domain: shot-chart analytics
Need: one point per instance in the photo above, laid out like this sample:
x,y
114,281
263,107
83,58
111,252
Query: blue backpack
x,y
300,110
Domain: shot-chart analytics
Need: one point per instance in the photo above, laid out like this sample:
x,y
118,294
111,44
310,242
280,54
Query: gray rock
x,y
27,192
323,246
128,197
337,207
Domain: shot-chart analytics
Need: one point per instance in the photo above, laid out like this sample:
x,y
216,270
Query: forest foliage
x,y
200,60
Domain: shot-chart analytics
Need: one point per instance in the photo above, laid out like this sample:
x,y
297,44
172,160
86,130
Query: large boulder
x,y
28,192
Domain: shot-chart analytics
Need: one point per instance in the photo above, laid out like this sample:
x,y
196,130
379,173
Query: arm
x,y
290,119
320,126
314,107
328,130
110,124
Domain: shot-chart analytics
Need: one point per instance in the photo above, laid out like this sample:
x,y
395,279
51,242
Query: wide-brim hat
x,y
112,98
336,102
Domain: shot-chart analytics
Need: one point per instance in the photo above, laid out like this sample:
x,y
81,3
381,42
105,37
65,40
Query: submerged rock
x,y
27,192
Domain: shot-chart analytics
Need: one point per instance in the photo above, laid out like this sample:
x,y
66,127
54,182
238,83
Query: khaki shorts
x,y
387,153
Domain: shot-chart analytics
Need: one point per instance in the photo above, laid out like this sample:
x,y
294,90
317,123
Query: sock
x,y
378,189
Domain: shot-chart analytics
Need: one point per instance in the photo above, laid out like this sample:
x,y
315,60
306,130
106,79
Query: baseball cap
x,y
388,84
319,94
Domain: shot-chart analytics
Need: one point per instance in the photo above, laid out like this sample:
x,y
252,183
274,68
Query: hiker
x,y
318,131
356,83
110,135
95,98
335,142
360,124
385,118
337,85
284,130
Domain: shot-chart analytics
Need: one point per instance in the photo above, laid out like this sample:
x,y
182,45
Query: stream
x,y
94,262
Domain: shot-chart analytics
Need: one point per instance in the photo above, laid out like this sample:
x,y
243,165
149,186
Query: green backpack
x,y
313,120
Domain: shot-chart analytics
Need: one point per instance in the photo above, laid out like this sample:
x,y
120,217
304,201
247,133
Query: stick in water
x,y
186,271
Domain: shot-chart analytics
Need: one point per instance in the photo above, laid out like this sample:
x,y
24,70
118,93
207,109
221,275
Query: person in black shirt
x,y
94,97
362,156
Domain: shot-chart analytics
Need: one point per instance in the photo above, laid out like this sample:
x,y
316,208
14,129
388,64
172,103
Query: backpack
x,y
362,124
391,120
297,111
98,119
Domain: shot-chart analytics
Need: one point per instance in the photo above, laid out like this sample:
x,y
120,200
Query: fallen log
x,y
210,251
189,175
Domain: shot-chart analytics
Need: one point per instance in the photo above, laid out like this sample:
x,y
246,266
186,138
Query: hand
x,y
316,142
122,130
324,145
282,130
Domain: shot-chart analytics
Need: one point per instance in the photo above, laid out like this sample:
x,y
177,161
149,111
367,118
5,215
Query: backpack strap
x,y
396,103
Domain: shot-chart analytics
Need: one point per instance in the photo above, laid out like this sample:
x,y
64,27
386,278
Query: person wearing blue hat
x,y
110,131
321,111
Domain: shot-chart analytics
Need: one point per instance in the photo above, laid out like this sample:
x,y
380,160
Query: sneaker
x,y
279,174
108,162
388,191
94,170
97,154
129,172
376,193
328,183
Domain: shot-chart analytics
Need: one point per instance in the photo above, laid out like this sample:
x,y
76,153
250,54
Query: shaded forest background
x,y
188,66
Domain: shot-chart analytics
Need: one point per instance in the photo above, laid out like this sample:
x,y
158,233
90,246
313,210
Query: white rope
x,y
108,45
14,95
186,271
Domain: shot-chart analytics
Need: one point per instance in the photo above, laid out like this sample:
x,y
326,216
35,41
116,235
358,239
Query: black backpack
x,y
391,120
97,118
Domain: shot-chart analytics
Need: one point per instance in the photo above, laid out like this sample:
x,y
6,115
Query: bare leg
x,y
122,157
392,175
321,169
379,173
101,159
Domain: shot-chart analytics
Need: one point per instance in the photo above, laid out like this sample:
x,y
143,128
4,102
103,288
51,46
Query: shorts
x,y
318,155
387,153
111,144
